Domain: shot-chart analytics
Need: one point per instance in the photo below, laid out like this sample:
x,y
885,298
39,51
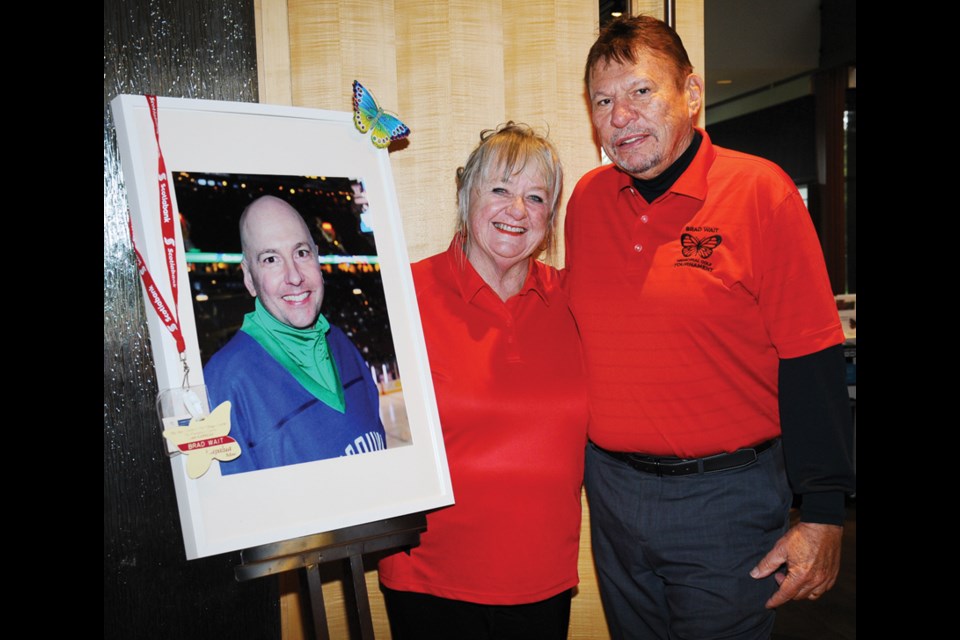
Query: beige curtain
x,y
448,68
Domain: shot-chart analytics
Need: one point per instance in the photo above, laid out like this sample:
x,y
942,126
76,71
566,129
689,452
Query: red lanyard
x,y
169,315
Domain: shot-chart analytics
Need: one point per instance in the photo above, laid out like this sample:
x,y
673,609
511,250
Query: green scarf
x,y
302,352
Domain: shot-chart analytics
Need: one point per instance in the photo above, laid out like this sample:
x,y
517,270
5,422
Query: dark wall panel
x,y
784,133
183,48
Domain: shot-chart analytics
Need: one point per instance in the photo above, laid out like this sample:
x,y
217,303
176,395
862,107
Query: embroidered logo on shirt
x,y
697,249
703,247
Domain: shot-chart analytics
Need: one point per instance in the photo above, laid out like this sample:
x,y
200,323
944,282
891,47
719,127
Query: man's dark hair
x,y
624,38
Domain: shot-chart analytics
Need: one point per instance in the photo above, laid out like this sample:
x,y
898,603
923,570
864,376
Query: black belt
x,y
686,466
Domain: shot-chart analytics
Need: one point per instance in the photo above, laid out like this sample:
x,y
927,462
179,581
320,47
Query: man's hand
x,y
811,553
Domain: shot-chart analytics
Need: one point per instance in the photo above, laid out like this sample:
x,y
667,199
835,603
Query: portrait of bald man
x,y
299,389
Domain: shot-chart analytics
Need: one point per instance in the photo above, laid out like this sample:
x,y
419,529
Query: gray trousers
x,y
674,554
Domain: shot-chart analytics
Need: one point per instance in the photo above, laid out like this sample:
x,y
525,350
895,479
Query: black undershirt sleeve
x,y
817,433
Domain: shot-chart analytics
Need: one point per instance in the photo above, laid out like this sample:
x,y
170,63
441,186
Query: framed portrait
x,y
220,159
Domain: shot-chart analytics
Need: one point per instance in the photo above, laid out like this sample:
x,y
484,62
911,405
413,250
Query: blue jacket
x,y
277,422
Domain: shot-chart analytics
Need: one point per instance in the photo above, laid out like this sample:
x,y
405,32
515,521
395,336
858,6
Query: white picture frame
x,y
222,513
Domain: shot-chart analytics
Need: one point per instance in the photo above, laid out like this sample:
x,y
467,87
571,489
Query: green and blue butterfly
x,y
368,116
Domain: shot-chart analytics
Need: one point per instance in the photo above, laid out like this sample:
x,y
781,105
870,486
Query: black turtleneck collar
x,y
657,186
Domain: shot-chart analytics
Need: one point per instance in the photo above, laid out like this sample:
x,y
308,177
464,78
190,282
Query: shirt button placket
x,y
639,236
513,355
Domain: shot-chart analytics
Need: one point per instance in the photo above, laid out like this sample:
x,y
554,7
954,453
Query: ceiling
x,y
756,44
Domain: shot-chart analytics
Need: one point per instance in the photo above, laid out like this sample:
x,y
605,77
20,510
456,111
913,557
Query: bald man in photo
x,y
299,389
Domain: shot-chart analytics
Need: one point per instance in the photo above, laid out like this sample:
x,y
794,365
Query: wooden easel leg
x,y
361,600
319,611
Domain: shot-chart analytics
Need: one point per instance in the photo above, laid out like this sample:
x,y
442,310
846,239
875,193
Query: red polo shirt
x,y
513,409
685,305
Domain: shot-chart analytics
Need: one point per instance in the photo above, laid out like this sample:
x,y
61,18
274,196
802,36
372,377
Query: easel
x,y
349,544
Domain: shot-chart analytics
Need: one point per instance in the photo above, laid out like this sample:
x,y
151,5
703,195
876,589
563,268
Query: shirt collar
x,y
471,284
693,181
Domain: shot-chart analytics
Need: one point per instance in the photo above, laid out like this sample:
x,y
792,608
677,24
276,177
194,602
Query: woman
x,y
505,360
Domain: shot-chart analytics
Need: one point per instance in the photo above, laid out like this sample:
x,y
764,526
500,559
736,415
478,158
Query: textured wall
x,y
450,68
182,48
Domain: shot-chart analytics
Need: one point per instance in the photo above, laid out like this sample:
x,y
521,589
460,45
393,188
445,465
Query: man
x,y
299,390
709,329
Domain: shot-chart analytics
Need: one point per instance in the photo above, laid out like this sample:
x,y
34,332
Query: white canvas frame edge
x,y
382,485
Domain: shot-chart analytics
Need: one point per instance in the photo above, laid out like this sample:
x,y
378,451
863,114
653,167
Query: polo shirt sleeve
x,y
799,311
795,296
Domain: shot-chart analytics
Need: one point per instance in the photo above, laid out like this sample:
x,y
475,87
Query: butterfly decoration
x,y
204,440
369,116
703,247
